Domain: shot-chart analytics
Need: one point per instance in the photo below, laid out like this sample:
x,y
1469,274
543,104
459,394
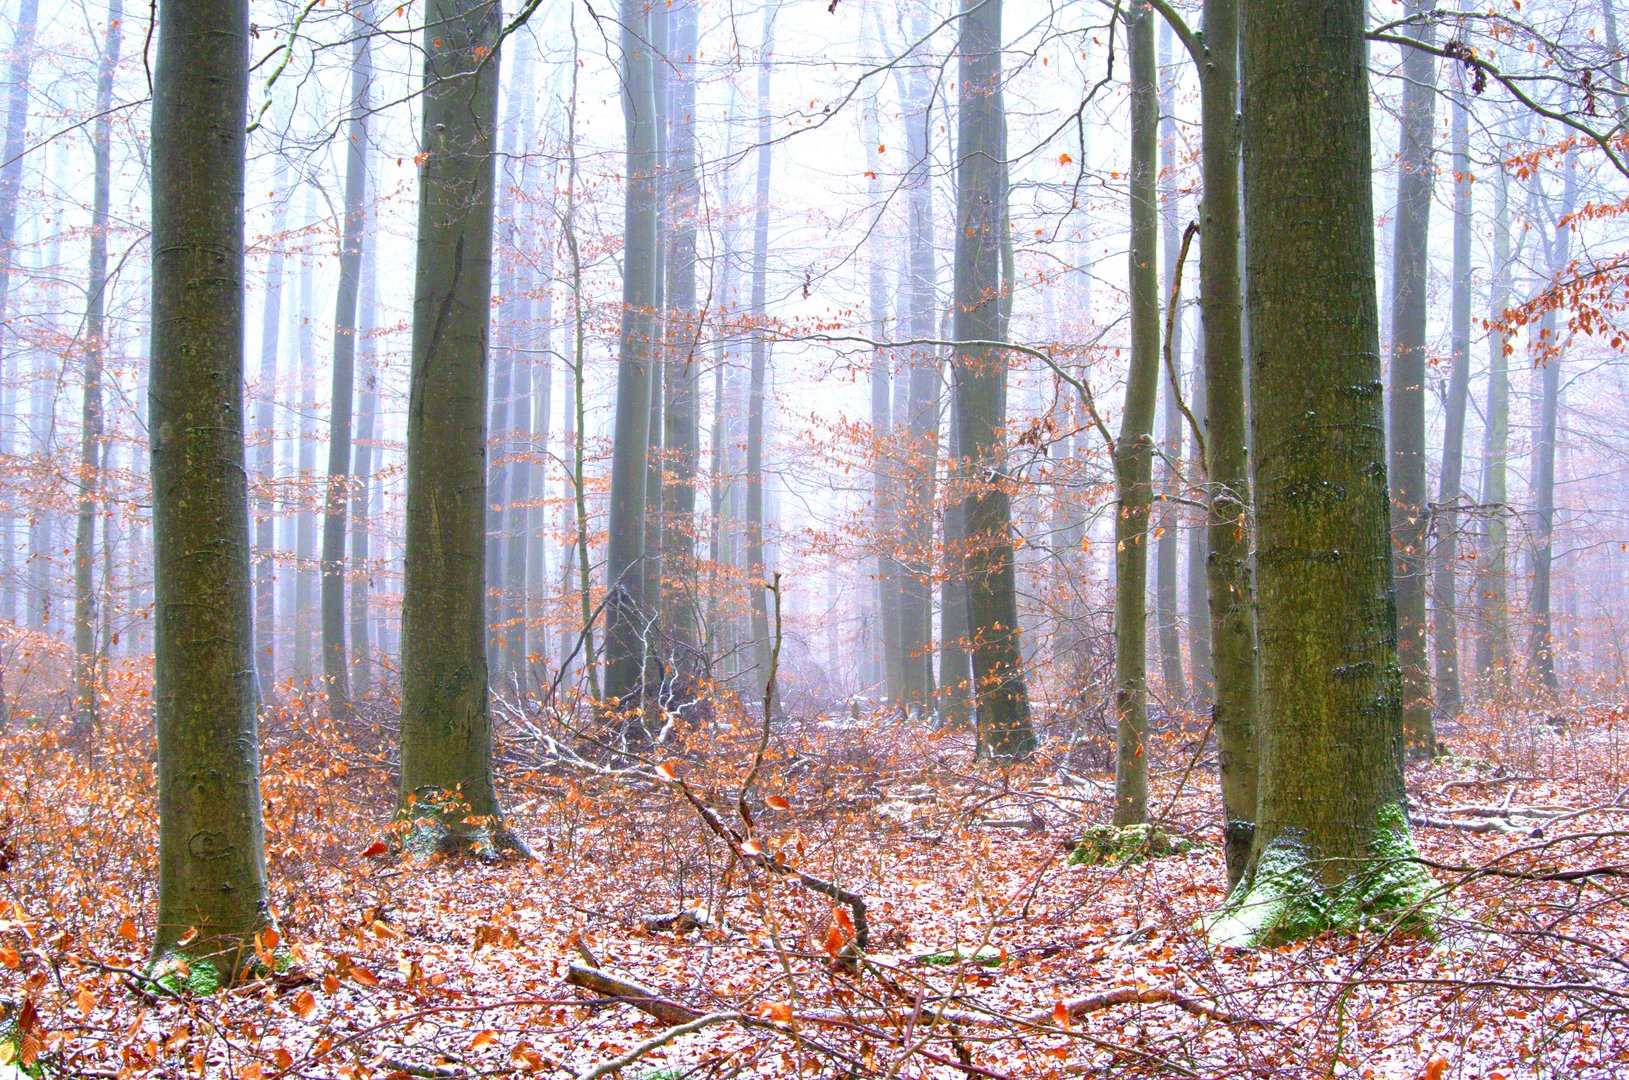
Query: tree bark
x,y
1134,447
364,467
1409,279
212,869
1167,541
757,571
306,585
1002,695
1332,842
1493,560
271,325
446,788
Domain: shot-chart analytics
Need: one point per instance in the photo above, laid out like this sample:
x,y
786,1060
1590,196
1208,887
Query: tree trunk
x,y
1492,563
1168,542
11,183
757,572
336,667
1445,523
625,644
1409,279
271,325
91,423
1198,545
306,584
361,524
888,657
446,756
955,664
212,868
1005,731
1134,448
1332,841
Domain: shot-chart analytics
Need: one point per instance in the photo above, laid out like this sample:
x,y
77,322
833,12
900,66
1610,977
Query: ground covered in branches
x,y
640,940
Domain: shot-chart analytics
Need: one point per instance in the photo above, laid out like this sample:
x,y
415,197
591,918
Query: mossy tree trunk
x,y
212,869
1001,693
446,788
1332,841
1134,447
1409,281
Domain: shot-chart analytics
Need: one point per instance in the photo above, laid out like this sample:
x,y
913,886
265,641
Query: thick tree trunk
x,y
446,786
1445,523
91,421
212,868
1005,731
1134,447
1493,560
1167,541
11,183
626,642
757,405
1332,841
336,667
265,532
1409,279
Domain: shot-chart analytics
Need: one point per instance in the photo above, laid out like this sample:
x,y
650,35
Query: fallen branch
x,y
638,995
657,1042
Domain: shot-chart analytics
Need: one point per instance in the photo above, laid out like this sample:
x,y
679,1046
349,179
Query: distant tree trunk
x,y
888,656
759,362
91,423
1134,448
1332,845
446,754
1410,272
1230,576
1493,560
367,425
1167,541
1198,546
271,324
336,667
955,664
681,391
1445,622
625,642
1005,731
532,544
11,183
1541,650
305,520
211,857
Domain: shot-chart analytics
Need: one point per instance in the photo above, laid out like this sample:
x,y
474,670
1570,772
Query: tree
x,y
336,660
271,325
446,787
625,619
1002,696
1493,560
1331,837
1134,447
1410,271
212,871
757,406
361,521
95,351
1167,541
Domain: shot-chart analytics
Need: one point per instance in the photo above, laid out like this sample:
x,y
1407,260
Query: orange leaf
x,y
378,847
127,929
85,1001
1435,1066
364,976
329,984
305,1004
9,956
482,1038
668,770
778,803
751,847
843,920
1065,159
1060,1015
834,941
778,1011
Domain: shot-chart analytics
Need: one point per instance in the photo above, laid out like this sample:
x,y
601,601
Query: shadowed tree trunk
x,y
211,857
1005,731
446,788
91,422
336,668
1409,278
1332,840
11,182
271,324
1445,622
1134,448
1493,560
625,629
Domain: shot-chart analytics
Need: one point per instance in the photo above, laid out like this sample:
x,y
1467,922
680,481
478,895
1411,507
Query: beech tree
x,y
211,844
1331,835
446,787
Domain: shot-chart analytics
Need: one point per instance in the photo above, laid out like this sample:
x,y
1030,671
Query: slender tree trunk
x,y
306,585
446,755
11,183
1005,731
532,545
575,422
271,325
336,667
1492,563
1410,273
955,663
1332,843
91,423
1198,545
1444,601
361,524
1541,649
757,571
1167,541
1134,449
626,645
211,858
888,656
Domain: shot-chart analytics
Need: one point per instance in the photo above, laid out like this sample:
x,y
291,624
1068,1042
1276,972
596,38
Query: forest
x,y
668,539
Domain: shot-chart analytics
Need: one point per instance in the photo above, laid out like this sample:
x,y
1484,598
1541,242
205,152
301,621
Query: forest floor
x,y
989,956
